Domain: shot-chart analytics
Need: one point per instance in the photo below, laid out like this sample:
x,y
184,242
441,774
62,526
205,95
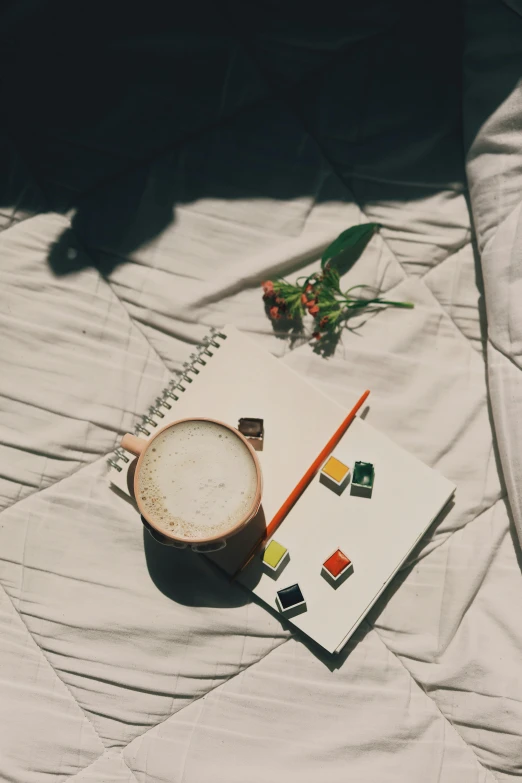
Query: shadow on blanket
x,y
122,115
194,579
202,580
189,578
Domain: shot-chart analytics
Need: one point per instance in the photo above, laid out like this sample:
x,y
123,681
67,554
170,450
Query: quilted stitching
x,y
496,499
203,696
56,346
141,296
248,691
41,704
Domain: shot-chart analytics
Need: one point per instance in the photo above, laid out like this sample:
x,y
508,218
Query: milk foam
x,y
197,479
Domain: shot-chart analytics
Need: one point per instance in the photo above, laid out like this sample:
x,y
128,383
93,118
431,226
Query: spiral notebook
x,y
230,377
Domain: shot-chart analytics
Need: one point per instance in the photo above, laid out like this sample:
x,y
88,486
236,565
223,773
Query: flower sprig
x,y
320,295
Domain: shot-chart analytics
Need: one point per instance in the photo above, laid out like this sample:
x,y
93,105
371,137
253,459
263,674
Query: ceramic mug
x,y
139,447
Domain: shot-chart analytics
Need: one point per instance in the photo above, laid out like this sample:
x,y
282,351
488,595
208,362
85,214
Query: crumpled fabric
x,y
149,189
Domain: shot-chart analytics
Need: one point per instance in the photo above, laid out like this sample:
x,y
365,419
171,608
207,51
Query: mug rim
x,y
219,536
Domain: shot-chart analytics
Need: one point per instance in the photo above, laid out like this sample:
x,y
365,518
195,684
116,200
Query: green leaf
x,y
354,239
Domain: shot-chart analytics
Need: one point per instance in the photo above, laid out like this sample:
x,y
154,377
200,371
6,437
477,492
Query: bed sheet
x,y
123,661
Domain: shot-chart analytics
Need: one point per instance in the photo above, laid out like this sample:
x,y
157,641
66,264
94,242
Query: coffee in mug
x,y
197,480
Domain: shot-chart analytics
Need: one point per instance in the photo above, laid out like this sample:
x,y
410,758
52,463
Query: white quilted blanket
x,y
131,226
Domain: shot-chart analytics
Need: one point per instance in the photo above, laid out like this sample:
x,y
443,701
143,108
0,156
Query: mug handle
x,y
133,444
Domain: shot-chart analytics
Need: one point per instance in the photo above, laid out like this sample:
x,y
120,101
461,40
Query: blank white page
x,y
376,533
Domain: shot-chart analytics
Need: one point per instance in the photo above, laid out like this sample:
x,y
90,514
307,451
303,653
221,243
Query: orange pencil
x,y
302,485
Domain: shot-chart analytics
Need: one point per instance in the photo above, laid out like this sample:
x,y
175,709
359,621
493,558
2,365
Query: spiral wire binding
x,y
170,394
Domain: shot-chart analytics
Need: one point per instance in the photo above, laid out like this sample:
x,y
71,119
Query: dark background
x,y
95,94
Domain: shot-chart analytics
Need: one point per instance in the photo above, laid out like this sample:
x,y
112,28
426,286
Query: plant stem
x,y
408,305
356,303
